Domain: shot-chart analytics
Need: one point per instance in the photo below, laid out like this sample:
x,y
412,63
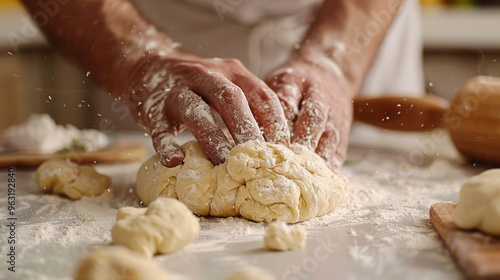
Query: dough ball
x,y
118,263
67,178
166,226
479,206
281,237
259,181
250,273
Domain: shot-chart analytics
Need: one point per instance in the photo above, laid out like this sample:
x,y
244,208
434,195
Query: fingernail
x,y
284,142
172,159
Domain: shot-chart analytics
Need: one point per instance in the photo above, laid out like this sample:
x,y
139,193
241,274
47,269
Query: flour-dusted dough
x,y
64,177
118,263
250,273
259,181
479,206
166,226
281,237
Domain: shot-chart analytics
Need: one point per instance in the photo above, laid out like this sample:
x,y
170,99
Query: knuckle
x,y
191,67
282,80
282,71
198,68
290,91
233,62
315,110
228,92
266,95
289,107
318,118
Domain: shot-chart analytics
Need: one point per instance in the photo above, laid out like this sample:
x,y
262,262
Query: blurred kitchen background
x,y
461,40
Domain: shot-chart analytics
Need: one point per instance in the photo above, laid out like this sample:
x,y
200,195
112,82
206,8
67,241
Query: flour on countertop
x,y
383,222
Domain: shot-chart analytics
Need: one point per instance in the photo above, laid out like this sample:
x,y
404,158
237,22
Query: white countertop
x,y
382,231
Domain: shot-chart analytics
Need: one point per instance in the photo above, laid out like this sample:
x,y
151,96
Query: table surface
x,y
382,231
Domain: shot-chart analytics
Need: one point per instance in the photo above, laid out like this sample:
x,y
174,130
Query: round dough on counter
x,y
479,206
166,226
260,181
118,263
64,177
281,237
250,273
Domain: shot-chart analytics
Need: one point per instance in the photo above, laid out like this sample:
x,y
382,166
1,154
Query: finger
x,y
162,131
265,107
289,93
169,152
310,123
200,120
330,147
231,104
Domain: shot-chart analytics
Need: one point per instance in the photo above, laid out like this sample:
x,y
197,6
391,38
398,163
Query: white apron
x,y
261,34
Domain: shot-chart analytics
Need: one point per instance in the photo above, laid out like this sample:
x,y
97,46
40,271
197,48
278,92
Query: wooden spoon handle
x,y
401,113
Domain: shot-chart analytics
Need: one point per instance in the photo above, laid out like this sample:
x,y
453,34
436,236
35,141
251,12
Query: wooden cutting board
x,y
477,254
121,151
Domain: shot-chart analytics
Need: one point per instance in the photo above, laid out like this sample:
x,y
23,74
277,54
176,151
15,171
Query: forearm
x,y
104,37
350,32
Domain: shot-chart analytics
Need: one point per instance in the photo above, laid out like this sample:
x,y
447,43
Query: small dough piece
x,y
260,181
250,273
281,237
118,263
67,178
479,206
166,226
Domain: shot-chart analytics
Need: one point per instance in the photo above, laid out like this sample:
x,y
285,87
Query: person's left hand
x,y
317,100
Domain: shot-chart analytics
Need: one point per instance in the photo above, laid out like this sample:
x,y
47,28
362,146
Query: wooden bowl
x,y
473,120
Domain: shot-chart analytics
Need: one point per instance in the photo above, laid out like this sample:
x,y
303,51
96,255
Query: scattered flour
x,y
382,225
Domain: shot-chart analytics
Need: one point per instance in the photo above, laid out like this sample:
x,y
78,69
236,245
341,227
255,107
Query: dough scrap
x,y
281,237
64,177
250,273
479,206
166,226
259,181
118,263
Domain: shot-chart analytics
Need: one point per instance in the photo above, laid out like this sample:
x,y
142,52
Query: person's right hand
x,y
172,92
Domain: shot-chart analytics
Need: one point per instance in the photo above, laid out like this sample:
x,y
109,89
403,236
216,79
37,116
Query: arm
x,y
350,32
103,37
166,88
317,84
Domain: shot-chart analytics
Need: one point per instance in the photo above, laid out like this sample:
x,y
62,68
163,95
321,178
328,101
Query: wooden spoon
x,y
472,120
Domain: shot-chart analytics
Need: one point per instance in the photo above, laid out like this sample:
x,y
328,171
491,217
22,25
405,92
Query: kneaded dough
x,y
479,206
260,181
166,226
281,237
250,273
64,177
118,263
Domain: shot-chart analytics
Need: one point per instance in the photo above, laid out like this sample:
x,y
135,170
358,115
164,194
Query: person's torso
x,y
253,11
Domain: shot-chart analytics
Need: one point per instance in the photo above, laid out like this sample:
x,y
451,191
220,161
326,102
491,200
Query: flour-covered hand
x,y
180,90
317,102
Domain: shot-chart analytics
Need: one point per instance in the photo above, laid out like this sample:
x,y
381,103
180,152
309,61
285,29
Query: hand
x,y
180,90
316,98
